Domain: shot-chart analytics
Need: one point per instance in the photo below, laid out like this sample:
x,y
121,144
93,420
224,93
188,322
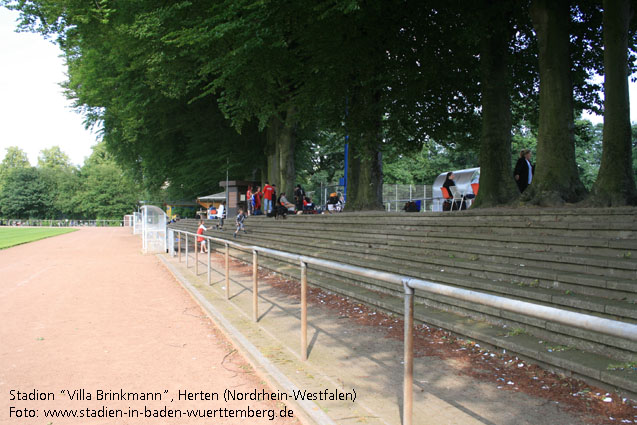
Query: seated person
x,y
449,182
212,212
334,203
308,205
411,207
282,206
283,201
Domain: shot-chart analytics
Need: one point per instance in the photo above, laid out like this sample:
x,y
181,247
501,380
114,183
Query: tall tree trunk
x,y
615,185
365,174
281,139
286,143
556,179
497,186
272,150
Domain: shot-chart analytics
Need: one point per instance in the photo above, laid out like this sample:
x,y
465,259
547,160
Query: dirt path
x,y
85,311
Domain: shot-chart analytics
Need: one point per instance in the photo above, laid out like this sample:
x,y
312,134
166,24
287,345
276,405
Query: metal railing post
x,y
209,266
581,321
408,381
227,271
179,244
303,311
396,187
197,248
424,198
255,285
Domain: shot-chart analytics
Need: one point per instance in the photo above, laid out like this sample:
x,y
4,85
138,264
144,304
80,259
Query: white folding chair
x,y
456,196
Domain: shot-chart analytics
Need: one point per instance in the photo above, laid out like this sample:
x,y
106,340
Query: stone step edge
x,y
570,298
562,265
565,258
551,292
281,264
525,346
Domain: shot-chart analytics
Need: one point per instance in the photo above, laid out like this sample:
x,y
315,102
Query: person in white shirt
x,y
221,214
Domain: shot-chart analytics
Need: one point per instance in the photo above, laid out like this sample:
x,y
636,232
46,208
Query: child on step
x,y
239,222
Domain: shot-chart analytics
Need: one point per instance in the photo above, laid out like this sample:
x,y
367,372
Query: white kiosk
x,y
466,180
153,229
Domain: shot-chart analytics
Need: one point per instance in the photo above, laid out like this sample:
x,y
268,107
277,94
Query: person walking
x,y
239,222
524,170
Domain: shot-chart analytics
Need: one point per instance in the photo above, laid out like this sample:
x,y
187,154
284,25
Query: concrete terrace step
x,y
357,229
599,265
325,276
555,354
549,273
387,237
582,261
600,223
562,272
468,276
600,237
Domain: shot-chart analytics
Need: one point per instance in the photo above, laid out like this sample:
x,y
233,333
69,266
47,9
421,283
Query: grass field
x,y
11,236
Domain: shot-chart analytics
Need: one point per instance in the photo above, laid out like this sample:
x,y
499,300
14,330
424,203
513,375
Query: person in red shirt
x,y
202,241
268,191
249,200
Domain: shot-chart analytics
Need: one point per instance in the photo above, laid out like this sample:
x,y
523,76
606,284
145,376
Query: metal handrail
x,y
570,318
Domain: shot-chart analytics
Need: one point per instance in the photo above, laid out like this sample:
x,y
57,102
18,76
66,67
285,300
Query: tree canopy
x,y
57,189
184,92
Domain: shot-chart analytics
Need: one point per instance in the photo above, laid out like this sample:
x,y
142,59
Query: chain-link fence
x,y
323,192
395,196
60,223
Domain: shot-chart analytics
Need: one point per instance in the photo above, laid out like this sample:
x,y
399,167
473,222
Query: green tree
x,y
496,185
105,191
588,150
25,194
13,158
615,184
556,179
53,157
67,184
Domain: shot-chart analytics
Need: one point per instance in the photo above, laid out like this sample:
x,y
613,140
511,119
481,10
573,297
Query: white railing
x,y
409,284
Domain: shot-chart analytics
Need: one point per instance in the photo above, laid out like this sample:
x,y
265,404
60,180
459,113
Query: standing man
x,y
249,200
257,201
268,191
524,170
299,197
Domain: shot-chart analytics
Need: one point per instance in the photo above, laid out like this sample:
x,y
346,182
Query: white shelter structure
x,y
129,220
137,223
153,229
467,181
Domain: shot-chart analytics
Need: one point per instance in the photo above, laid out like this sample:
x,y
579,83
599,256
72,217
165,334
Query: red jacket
x,y
267,192
200,232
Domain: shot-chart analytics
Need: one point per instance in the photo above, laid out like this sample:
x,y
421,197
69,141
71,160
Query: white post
x,y
396,186
209,249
